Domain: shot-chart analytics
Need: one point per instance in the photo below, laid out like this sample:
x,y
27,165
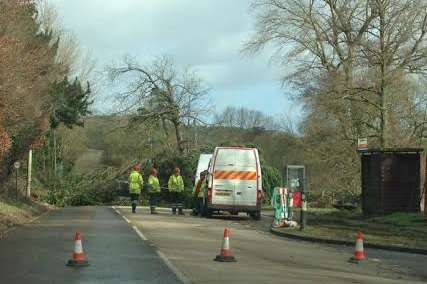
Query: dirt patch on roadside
x,y
17,213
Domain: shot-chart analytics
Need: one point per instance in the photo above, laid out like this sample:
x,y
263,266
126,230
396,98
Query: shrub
x,y
271,178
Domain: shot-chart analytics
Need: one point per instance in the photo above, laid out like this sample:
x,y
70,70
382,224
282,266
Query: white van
x,y
234,182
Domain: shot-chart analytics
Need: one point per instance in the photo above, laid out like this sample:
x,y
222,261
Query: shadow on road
x,y
228,217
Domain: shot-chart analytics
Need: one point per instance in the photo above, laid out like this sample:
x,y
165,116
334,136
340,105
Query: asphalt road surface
x,y
192,243
140,248
37,253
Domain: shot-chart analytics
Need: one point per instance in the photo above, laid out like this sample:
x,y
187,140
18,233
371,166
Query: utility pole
x,y
30,166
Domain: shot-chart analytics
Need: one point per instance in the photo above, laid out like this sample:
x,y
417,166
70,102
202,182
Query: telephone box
x,y
295,182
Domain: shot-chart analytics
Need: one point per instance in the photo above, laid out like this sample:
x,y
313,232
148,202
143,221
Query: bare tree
x,y
159,93
245,118
353,52
74,60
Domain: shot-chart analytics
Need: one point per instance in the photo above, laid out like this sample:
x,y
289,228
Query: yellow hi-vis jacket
x,y
154,183
200,188
176,184
135,182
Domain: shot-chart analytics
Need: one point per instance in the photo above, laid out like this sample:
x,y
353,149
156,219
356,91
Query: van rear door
x,y
222,186
203,164
246,174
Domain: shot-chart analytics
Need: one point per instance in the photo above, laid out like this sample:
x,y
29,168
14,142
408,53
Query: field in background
x,y
89,161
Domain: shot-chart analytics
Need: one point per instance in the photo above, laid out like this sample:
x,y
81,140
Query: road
x,y
37,253
180,249
191,244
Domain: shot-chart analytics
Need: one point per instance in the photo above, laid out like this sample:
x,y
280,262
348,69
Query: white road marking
x,y
178,273
175,270
140,234
115,209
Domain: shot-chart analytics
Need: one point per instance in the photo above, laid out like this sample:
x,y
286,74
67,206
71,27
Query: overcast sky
x,y
206,35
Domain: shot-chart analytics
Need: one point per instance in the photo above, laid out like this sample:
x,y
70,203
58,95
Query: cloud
x,y
206,35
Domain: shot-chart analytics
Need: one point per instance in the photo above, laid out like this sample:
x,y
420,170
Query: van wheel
x,y
256,215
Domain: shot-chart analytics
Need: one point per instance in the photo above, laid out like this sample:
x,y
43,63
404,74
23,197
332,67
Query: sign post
x,y
16,165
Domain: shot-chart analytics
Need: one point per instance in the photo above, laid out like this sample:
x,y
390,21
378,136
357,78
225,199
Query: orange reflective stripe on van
x,y
240,175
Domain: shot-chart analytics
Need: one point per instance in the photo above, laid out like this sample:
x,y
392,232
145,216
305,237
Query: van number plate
x,y
222,193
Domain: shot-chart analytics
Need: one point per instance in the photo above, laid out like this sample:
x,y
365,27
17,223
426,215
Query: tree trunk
x,y
383,114
178,135
384,118
165,128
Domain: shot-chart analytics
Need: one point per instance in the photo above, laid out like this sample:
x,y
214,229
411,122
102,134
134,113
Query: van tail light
x,y
259,196
209,195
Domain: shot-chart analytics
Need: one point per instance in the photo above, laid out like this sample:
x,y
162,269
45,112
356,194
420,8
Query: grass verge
x,y
400,229
14,213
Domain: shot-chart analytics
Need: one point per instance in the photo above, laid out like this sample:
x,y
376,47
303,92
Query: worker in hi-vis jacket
x,y
176,191
135,185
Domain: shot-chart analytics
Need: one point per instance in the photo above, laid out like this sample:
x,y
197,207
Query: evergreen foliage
x,y
71,102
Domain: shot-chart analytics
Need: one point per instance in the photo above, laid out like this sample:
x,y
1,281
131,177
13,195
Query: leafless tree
x,y
353,52
75,60
159,93
245,118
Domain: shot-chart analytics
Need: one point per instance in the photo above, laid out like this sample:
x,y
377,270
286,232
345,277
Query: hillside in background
x,y
120,143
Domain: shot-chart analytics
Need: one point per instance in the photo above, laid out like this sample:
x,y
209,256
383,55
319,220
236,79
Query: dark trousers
x,y
134,197
154,199
198,205
176,201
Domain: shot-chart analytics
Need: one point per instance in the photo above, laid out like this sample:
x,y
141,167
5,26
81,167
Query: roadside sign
x,y
362,144
17,165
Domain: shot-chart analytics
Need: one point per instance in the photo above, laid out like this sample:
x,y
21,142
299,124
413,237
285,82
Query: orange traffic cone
x,y
225,254
79,258
359,253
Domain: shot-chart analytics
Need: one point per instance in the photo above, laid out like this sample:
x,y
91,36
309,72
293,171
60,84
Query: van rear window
x,y
235,157
245,158
225,157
